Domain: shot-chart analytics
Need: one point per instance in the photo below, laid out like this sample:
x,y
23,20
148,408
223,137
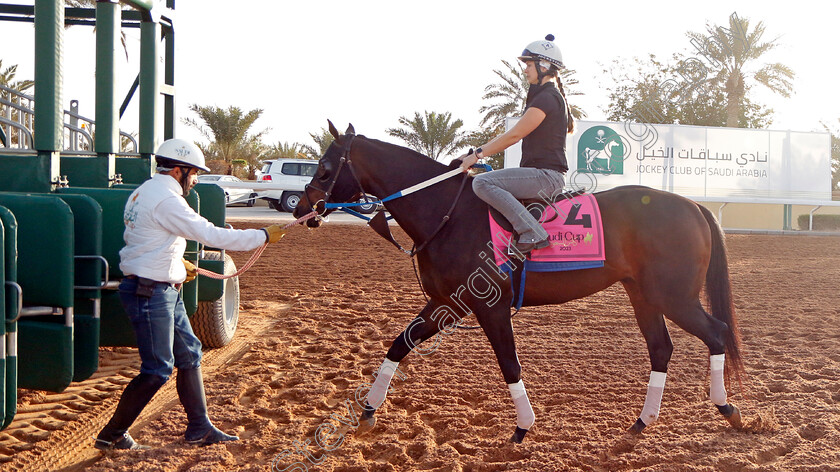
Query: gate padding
x,y
87,235
115,328
45,274
10,311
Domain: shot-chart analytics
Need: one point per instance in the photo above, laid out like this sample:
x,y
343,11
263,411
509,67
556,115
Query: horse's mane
x,y
417,159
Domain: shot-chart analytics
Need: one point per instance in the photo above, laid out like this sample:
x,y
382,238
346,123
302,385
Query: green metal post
x,y
49,116
169,81
107,109
141,4
149,88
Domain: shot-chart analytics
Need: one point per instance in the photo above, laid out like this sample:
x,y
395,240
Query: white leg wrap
x,y
656,385
717,390
524,413
376,395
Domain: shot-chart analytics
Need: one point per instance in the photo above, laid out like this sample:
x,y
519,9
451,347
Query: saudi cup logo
x,y
602,151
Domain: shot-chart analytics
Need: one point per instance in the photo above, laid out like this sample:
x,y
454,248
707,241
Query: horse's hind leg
x,y
424,326
713,333
659,345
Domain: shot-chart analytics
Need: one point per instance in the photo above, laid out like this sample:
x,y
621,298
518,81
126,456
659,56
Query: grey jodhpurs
x,y
502,188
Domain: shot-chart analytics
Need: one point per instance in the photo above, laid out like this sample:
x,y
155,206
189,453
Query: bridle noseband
x,y
345,159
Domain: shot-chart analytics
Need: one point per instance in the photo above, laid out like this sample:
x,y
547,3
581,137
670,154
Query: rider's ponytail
x,y
555,74
569,117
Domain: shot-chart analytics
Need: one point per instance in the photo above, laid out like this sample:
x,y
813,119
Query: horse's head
x,y
334,181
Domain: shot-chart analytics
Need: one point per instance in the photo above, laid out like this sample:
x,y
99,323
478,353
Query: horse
x,y
660,246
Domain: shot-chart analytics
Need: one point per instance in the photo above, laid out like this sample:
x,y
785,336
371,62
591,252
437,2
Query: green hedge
x,y
821,222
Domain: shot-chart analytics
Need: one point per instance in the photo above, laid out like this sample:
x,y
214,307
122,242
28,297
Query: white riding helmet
x,y
544,50
180,152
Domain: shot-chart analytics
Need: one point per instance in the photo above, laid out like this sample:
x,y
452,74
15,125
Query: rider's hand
x,y
273,233
191,270
467,161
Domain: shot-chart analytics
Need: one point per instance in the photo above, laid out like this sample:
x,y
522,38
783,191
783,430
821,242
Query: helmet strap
x,y
185,180
540,73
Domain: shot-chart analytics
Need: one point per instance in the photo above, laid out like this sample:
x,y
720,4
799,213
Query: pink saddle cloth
x,y
574,231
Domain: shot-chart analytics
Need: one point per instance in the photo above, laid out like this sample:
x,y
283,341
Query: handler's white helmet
x,y
180,152
544,50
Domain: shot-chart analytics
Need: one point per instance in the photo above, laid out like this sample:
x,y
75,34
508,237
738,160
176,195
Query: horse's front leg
x,y
426,325
497,326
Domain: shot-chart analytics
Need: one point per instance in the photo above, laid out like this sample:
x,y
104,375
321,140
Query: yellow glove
x,y
191,268
273,233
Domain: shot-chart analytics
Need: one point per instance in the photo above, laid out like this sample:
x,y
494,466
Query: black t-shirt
x,y
545,147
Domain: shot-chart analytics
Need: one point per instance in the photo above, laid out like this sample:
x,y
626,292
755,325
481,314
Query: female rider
x,y
542,129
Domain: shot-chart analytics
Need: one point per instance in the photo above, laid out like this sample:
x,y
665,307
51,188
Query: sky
x,y
370,62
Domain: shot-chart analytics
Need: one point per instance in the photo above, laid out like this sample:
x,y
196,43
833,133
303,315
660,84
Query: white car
x,y
232,195
291,175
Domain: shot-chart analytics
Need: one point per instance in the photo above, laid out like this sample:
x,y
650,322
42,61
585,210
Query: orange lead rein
x,y
256,255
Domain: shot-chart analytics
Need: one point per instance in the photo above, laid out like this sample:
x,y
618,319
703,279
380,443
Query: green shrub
x,y
821,222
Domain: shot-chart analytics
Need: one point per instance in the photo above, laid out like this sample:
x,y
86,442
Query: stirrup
x,y
526,247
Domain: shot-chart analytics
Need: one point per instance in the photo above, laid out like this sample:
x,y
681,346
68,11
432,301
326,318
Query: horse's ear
x,y
350,129
334,132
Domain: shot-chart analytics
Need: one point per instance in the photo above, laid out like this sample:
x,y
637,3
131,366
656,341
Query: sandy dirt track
x,y
320,309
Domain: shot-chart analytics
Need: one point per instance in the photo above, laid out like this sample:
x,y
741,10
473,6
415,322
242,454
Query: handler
x,y
157,221
543,130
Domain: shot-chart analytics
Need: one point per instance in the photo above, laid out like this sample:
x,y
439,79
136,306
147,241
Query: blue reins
x,y
345,207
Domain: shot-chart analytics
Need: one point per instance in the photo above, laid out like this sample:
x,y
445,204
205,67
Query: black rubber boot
x,y
135,397
200,431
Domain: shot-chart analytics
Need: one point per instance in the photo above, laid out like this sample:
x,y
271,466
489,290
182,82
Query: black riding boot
x,y
134,398
200,430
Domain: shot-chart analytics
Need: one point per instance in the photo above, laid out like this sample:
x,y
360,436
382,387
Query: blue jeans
x,y
503,188
164,335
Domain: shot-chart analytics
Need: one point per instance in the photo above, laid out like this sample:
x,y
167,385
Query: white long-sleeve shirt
x,y
157,221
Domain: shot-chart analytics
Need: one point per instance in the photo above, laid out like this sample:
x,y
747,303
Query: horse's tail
x,y
719,295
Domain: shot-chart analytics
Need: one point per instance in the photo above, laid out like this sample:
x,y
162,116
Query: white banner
x,y
697,161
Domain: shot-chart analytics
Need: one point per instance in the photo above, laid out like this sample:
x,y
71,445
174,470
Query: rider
x,y
543,130
157,222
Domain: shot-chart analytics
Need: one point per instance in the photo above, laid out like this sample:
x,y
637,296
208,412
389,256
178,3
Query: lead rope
x,y
256,255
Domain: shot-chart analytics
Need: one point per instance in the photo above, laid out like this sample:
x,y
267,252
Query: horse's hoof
x,y
365,425
733,416
518,435
637,427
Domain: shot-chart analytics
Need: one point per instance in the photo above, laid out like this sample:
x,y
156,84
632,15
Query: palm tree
x,y
511,92
432,134
734,53
227,130
323,139
7,79
286,150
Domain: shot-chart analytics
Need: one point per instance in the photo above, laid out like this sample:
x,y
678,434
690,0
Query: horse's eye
x,y
324,171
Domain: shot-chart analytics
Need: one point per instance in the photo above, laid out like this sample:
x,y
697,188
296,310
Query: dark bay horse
x,y
660,246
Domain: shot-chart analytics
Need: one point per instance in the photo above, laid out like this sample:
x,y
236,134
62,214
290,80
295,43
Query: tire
x,y
290,200
214,323
367,209
252,200
275,204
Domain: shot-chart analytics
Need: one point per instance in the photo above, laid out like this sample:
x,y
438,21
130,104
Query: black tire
x,y
252,200
214,323
290,200
366,209
275,204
